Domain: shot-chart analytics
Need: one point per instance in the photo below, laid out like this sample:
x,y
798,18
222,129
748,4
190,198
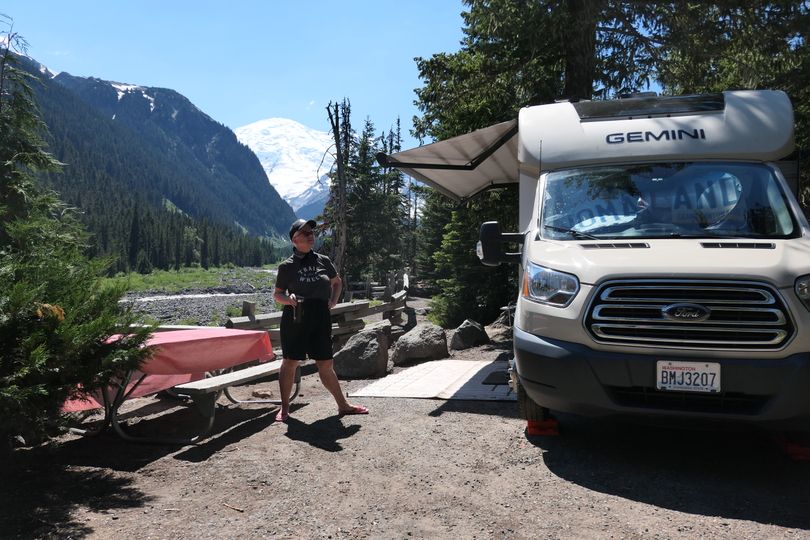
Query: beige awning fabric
x,y
465,165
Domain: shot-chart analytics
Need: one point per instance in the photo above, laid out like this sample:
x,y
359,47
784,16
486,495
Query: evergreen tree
x,y
135,239
469,290
56,316
204,258
374,214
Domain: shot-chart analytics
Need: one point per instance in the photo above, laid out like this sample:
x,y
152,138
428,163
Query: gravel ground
x,y
413,468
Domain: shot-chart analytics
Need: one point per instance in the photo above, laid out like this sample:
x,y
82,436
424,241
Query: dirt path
x,y
411,469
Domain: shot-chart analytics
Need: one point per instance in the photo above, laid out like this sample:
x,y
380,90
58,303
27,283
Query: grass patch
x,y
174,281
233,311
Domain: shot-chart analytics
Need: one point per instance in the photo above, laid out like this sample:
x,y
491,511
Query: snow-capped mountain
x,y
296,159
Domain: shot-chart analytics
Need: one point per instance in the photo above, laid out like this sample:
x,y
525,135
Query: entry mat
x,y
485,380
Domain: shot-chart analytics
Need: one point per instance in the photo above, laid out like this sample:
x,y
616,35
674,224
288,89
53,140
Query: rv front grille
x,y
699,314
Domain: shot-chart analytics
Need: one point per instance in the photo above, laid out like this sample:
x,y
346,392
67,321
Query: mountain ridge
x,y
227,177
156,182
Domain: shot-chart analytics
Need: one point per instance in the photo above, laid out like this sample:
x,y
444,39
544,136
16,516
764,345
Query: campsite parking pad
x,y
412,468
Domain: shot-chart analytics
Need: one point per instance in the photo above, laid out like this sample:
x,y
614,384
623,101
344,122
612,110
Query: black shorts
x,y
312,336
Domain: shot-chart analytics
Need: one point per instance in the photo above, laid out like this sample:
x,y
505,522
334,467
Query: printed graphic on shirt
x,y
308,274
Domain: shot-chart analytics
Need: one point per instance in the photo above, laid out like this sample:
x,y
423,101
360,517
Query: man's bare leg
x,y
286,377
326,371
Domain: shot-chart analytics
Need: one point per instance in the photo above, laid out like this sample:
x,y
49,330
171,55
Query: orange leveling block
x,y
548,427
795,451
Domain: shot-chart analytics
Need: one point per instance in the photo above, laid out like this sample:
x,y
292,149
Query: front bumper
x,y
570,377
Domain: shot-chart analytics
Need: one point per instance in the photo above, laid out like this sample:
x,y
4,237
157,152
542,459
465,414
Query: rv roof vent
x,y
637,94
617,245
738,245
648,106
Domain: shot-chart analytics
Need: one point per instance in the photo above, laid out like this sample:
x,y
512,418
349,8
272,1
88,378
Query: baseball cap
x,y
299,224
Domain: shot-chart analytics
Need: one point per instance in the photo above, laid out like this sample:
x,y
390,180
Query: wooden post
x,y
248,309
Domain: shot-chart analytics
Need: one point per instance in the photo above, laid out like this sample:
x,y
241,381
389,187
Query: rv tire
x,y
527,408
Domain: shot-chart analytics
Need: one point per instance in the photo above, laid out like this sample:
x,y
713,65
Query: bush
x,y
57,318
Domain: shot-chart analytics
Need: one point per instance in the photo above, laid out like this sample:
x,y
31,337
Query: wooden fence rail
x,y
347,318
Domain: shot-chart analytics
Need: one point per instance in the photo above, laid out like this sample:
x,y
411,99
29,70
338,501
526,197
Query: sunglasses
x,y
306,233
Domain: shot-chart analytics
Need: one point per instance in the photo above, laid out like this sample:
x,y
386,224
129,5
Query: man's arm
x,y
337,287
281,296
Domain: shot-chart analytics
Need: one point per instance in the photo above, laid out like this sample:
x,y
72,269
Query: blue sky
x,y
246,60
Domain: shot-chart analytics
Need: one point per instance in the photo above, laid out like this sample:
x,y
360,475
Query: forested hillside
x,y
159,183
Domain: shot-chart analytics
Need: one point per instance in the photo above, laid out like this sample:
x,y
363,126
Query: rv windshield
x,y
666,200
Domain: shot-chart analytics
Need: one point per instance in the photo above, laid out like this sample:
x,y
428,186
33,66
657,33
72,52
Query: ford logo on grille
x,y
686,312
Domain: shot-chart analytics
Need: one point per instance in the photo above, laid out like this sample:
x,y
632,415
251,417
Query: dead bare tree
x,y
338,224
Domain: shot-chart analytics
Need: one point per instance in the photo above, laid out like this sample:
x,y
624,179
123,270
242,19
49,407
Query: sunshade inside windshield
x,y
712,199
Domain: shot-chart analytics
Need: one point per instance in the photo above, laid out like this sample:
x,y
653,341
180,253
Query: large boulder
x,y
469,334
365,355
425,341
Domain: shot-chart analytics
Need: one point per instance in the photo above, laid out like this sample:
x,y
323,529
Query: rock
x,y
469,334
365,355
506,317
498,333
425,341
410,313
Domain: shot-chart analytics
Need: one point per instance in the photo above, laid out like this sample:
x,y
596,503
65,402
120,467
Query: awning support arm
x,y
386,161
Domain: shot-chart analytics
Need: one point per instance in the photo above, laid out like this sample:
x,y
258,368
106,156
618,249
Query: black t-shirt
x,y
309,275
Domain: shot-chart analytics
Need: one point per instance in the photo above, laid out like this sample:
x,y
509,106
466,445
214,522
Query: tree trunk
x,y
339,211
580,47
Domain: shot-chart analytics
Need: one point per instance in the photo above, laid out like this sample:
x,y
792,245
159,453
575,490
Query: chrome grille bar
x,y
741,315
667,331
634,313
718,295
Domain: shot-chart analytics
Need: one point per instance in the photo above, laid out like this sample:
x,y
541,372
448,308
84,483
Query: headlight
x,y
803,290
549,286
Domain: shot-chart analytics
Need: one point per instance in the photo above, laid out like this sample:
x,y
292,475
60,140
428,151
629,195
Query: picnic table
x,y
196,363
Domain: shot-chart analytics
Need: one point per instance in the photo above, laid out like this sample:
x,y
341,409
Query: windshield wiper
x,y
572,232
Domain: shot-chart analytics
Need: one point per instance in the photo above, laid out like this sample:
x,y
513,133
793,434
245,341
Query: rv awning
x,y
465,165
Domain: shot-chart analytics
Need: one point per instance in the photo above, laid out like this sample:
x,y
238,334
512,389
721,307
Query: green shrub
x,y
57,316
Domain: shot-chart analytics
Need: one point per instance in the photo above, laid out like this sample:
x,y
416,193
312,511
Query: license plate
x,y
688,376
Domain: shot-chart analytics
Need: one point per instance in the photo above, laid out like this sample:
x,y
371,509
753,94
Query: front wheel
x,y
527,408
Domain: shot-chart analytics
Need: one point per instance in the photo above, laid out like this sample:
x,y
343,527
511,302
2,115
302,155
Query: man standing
x,y
308,286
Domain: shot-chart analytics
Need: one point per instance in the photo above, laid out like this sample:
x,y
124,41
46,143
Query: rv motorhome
x,y
665,265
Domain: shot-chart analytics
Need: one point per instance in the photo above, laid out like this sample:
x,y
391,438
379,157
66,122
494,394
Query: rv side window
x,y
666,200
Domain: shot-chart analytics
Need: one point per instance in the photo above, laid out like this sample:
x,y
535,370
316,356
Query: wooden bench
x,y
205,392
215,383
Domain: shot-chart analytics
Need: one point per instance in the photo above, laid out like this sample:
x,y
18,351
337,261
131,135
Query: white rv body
x,y
665,268
753,125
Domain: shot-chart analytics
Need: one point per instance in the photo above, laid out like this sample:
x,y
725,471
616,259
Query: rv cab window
x,y
666,200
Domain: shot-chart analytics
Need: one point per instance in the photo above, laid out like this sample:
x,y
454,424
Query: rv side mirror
x,y
489,247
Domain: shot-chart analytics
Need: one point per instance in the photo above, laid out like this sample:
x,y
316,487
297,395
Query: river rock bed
x,y
202,307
